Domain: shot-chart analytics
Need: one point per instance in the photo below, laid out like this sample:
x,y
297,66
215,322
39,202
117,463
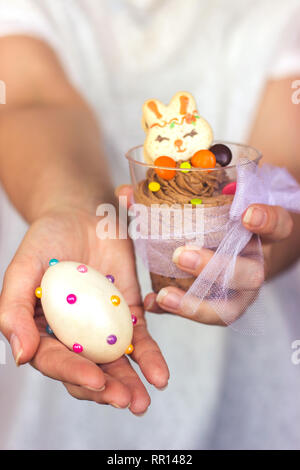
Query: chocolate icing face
x,y
206,185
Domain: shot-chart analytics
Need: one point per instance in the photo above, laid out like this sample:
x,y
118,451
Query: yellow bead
x,y
185,165
154,186
115,299
129,350
38,292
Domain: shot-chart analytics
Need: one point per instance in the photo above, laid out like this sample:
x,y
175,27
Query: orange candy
x,y
165,161
203,159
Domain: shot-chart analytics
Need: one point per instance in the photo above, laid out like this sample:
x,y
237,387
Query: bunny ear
x,y
153,112
183,102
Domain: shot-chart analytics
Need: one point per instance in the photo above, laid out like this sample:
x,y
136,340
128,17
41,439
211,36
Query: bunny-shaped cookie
x,y
176,130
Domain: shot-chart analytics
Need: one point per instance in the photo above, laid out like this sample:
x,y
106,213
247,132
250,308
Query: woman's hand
x,y
272,223
69,234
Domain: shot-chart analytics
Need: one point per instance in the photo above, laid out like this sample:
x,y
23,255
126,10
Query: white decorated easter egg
x,y
85,311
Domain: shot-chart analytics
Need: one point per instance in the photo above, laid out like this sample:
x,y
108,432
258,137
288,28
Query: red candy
x,y
230,188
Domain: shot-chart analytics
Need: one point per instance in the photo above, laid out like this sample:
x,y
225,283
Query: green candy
x,y
196,201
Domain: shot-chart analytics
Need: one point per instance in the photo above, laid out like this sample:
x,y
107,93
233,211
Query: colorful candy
x,y
167,162
154,186
222,153
203,159
230,188
186,166
196,201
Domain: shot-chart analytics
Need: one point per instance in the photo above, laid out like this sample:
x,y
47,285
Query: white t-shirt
x,y
226,390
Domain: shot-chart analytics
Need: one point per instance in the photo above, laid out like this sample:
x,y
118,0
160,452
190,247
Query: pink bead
x,y
77,348
230,188
82,268
134,319
71,299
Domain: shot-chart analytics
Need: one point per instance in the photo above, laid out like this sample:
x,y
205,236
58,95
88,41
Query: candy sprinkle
x,y
185,165
154,186
196,201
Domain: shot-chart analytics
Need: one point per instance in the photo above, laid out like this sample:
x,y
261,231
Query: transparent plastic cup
x,y
215,204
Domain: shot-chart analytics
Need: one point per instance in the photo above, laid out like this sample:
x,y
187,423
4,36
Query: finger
x,y
122,371
207,312
17,309
125,190
148,356
115,394
56,361
273,223
248,272
151,305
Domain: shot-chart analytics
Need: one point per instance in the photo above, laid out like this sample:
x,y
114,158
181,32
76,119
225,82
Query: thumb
x,y
273,223
127,191
17,311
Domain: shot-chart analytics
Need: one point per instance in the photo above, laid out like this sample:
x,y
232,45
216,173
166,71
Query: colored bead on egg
x,y
115,299
230,188
110,277
53,261
134,319
129,350
203,159
111,339
71,299
82,268
163,173
196,201
185,165
77,348
38,292
154,186
49,331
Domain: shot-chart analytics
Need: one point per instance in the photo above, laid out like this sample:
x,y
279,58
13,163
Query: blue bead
x,y
49,331
53,261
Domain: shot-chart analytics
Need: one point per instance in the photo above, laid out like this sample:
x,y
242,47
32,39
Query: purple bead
x,y
71,299
111,339
110,277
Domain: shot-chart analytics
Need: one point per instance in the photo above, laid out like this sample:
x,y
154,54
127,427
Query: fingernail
x,y
149,303
186,258
120,407
139,415
16,348
168,299
162,388
93,389
255,217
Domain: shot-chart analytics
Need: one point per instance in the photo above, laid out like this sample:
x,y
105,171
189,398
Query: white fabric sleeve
x,y
286,60
28,17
